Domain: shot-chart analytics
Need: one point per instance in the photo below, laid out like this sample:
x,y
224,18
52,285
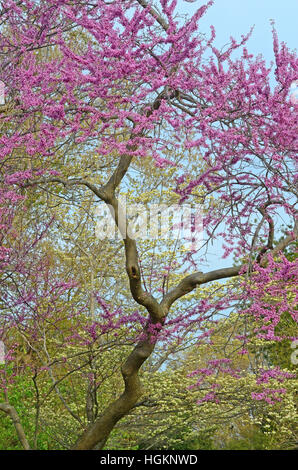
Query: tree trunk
x,y
98,432
10,410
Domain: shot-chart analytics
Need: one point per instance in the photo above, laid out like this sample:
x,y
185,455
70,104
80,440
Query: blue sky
x,y
235,17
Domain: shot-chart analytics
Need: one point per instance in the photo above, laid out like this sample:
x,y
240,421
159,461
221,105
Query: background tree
x,y
129,82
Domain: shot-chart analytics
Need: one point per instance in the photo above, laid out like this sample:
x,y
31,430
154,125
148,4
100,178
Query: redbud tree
x,y
128,80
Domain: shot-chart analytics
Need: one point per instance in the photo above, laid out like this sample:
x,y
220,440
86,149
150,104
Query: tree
x,y
126,81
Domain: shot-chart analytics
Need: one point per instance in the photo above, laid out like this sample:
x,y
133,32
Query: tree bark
x,y
98,432
11,411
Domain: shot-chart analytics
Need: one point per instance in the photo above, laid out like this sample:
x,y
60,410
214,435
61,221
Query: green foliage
x,y
21,397
279,353
202,441
252,439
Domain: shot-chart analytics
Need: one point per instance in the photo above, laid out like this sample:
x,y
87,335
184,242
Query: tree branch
x,y
155,14
192,281
141,296
11,411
